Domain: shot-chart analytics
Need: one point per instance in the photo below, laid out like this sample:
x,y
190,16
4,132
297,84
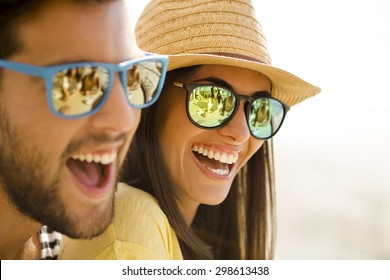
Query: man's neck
x,y
32,250
19,237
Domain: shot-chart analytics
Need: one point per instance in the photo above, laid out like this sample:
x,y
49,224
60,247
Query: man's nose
x,y
116,114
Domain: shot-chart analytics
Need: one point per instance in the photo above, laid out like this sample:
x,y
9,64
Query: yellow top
x,y
139,231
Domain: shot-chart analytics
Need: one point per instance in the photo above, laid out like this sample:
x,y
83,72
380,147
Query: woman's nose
x,y
237,127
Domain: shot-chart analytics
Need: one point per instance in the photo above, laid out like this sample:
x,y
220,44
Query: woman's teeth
x,y
105,159
222,157
218,171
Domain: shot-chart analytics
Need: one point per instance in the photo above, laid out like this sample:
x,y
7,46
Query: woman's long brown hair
x,y
241,227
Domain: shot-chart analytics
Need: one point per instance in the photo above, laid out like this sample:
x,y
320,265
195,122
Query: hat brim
x,y
285,86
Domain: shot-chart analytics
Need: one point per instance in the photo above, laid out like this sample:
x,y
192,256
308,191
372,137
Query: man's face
x,y
40,168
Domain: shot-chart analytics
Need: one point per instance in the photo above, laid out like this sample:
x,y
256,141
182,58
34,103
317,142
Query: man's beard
x,y
23,179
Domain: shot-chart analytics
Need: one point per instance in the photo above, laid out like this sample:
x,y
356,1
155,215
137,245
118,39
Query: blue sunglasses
x,y
76,90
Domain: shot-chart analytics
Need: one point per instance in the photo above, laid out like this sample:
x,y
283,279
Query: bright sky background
x,y
333,151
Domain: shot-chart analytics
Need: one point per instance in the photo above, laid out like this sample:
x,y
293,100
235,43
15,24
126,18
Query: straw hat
x,y
225,32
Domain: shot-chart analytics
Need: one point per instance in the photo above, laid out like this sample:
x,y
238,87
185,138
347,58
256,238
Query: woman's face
x,y
192,153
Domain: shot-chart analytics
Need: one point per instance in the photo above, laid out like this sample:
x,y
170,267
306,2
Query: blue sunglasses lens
x,y
143,81
78,91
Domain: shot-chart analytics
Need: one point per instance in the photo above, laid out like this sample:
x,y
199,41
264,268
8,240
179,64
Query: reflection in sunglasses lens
x,y
77,91
265,117
210,106
142,81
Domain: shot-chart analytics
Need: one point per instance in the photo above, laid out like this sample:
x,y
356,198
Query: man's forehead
x,y
66,31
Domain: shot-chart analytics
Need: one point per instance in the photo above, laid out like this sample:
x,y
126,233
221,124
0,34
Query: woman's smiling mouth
x,y
216,161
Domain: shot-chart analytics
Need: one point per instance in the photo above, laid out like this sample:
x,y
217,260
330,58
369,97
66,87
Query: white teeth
x,y
96,159
230,159
89,157
222,157
218,171
105,159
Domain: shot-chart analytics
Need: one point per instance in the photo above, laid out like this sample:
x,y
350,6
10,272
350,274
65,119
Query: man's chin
x,y
87,226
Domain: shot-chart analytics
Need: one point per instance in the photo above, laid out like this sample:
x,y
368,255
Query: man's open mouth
x,y
90,170
217,162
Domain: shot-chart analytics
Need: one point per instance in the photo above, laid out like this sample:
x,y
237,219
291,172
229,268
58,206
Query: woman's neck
x,y
188,210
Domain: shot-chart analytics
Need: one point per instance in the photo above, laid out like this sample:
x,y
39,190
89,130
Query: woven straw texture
x,y
225,32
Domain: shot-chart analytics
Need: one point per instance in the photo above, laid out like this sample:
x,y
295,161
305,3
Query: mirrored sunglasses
x,y
212,106
77,90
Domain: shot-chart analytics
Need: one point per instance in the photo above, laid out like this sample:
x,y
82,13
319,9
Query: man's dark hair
x,y
13,12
